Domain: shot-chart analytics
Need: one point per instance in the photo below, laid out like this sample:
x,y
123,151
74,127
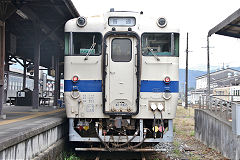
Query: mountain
x,y
236,68
192,74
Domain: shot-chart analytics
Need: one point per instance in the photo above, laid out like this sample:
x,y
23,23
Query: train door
x,y
121,81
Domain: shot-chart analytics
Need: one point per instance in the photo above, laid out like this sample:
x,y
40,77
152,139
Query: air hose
x,y
137,145
161,125
154,124
130,147
125,143
105,144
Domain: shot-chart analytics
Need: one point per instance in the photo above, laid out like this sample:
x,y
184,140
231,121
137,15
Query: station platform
x,y
22,123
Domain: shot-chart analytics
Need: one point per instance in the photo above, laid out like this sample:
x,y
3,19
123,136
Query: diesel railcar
x,y
120,80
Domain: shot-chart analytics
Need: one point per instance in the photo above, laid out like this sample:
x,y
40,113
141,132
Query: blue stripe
x,y
159,86
83,85
96,86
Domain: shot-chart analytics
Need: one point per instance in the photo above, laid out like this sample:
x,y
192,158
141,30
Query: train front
x,y
121,81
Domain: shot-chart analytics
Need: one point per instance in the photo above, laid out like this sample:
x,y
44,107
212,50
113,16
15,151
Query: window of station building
x,y
10,85
159,44
86,44
15,86
121,50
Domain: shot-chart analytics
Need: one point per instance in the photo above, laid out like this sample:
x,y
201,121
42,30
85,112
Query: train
x,y
14,84
121,80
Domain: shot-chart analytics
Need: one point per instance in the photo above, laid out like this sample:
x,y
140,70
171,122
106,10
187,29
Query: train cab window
x,y
83,44
159,44
121,50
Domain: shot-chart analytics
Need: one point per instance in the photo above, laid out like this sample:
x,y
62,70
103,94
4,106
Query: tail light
x,y
75,79
167,79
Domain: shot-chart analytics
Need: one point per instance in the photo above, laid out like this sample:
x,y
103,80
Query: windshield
x,y
159,44
84,44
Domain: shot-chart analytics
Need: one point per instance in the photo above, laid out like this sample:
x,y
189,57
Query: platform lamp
x,y
21,14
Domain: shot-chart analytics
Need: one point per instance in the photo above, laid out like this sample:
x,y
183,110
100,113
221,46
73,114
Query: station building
x,y
222,82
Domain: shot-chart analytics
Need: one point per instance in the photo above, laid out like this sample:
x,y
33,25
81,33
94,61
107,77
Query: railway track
x,y
88,155
99,153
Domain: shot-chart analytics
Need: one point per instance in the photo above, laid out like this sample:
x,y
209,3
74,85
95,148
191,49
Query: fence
x,y
226,110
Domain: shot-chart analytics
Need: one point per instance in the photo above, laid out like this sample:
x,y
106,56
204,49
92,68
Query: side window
x,y
121,50
67,44
176,44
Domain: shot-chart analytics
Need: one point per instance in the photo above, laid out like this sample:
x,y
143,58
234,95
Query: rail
x,y
224,108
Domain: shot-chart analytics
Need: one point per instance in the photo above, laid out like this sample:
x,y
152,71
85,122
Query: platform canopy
x,y
228,27
20,16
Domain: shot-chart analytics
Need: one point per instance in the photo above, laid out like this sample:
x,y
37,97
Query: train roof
x,y
99,23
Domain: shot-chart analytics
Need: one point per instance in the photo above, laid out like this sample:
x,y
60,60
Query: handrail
x,y
218,106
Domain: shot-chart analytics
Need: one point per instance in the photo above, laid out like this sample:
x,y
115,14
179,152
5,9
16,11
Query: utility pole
x,y
186,78
208,74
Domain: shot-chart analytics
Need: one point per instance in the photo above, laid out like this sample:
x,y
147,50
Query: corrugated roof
x,y
222,72
228,27
50,16
222,77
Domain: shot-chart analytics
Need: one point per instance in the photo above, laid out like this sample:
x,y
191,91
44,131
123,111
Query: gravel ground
x,y
185,146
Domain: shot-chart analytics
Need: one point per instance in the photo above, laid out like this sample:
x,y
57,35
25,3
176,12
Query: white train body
x,y
121,76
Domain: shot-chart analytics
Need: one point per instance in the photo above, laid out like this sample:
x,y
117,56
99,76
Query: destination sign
x,y
122,21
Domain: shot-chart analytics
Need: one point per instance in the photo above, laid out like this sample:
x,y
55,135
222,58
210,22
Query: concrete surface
x,y
25,134
217,134
53,152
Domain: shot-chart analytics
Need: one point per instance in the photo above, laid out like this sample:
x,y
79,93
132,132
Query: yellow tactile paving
x,y
37,114
20,113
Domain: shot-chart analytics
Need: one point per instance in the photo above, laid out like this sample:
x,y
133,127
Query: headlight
x,y
167,95
81,21
75,94
161,22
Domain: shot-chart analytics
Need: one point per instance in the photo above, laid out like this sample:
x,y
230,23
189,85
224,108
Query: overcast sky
x,y
194,16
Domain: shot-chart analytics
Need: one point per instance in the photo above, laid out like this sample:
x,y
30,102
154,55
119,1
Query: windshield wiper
x,y
151,50
91,48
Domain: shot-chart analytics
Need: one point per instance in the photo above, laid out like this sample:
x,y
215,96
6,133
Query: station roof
x,y
228,27
221,74
49,15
